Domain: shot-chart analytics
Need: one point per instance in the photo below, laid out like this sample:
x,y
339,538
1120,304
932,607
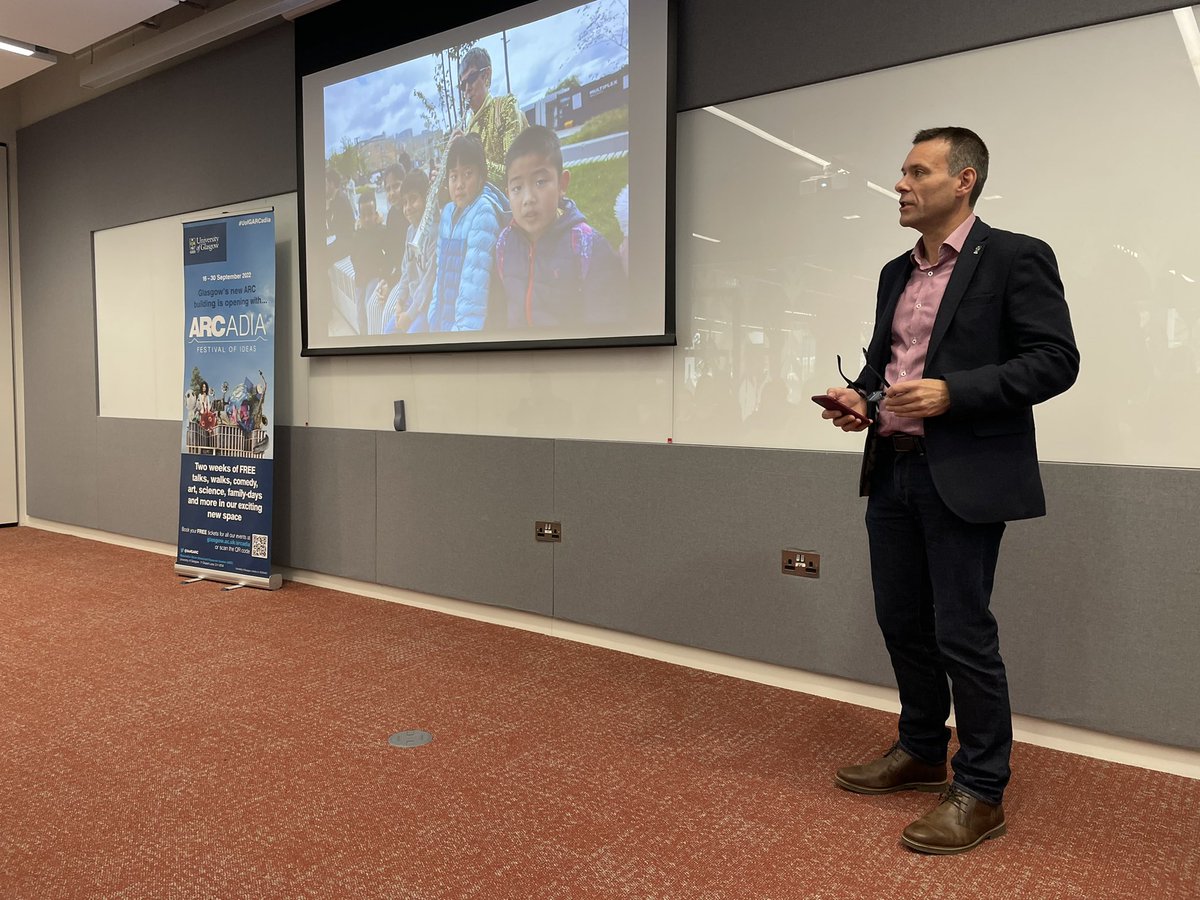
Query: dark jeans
x,y
932,573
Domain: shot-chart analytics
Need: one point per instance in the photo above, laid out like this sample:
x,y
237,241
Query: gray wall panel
x,y
802,43
157,147
683,544
60,465
136,468
1097,603
325,501
59,341
457,513
217,129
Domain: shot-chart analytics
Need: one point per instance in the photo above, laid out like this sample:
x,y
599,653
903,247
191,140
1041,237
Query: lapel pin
x,y
978,247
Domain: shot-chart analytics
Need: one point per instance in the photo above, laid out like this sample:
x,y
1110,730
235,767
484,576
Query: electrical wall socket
x,y
802,562
548,532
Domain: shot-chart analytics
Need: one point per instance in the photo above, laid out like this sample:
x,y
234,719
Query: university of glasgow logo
x,y
204,243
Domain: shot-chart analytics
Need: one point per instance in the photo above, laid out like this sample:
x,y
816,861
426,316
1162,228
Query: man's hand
x,y
852,399
920,399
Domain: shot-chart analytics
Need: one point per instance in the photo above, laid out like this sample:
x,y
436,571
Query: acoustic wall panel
x,y
58,331
136,467
684,544
172,143
325,494
1097,603
790,43
8,407
456,517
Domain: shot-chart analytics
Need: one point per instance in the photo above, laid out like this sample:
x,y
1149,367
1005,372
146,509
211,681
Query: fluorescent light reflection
x,y
1185,19
705,237
766,135
880,189
791,148
19,49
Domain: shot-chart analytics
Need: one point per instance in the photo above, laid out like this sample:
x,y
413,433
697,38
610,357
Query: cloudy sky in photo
x,y
540,55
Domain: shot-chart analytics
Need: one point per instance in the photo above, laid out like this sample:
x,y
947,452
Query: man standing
x,y
497,120
971,330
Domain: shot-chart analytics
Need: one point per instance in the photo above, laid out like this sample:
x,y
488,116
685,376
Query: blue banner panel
x,y
227,523
227,459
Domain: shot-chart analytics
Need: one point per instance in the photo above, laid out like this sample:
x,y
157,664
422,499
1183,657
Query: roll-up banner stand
x,y
227,461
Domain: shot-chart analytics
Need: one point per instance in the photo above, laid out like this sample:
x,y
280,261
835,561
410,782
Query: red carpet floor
x,y
168,741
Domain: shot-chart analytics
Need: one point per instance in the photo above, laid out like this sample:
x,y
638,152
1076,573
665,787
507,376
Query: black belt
x,y
903,443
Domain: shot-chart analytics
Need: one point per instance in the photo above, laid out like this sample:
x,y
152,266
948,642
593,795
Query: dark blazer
x,y
1002,341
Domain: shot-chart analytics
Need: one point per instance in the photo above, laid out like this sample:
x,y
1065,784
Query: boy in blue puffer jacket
x,y
466,240
554,268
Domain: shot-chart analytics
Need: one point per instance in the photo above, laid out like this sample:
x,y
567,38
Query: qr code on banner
x,y
258,546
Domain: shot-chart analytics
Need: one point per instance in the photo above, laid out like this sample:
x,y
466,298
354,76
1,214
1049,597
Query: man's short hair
x,y
395,171
477,57
415,182
466,150
539,140
966,149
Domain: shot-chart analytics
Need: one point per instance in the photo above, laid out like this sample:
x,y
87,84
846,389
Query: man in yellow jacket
x,y
497,120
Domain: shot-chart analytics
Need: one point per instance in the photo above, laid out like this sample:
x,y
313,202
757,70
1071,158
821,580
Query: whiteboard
x,y
786,216
138,273
1093,136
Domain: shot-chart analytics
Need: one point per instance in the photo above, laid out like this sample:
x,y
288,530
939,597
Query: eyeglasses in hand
x,y
874,396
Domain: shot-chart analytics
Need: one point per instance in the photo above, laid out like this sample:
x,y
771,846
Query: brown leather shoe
x,y
896,770
959,822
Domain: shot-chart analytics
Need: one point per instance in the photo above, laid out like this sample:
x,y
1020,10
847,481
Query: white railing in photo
x,y
225,440
345,298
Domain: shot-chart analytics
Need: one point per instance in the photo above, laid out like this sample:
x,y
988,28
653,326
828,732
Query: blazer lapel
x,y
964,270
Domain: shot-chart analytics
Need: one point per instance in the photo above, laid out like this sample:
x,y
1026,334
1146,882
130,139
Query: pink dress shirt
x,y
912,323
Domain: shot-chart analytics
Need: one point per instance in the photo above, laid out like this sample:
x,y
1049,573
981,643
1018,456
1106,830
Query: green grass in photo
x,y
594,188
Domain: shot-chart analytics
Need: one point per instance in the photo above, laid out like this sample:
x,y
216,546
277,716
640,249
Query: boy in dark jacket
x,y
554,268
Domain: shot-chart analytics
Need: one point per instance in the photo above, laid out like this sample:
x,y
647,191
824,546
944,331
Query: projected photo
x,y
484,188
477,187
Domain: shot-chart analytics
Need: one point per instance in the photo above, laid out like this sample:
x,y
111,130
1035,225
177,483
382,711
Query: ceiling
x,y
125,37
66,27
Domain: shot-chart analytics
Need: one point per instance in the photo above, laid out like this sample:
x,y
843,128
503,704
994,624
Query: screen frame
x,y
315,52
